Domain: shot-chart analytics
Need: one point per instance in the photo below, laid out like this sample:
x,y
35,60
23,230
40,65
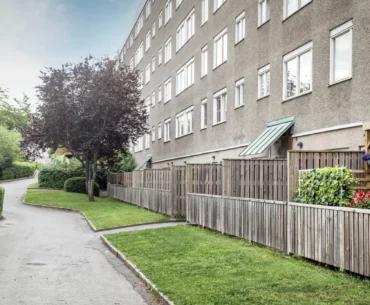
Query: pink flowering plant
x,y
361,200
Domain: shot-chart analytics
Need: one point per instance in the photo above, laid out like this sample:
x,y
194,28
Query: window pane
x,y
343,56
305,75
291,77
291,6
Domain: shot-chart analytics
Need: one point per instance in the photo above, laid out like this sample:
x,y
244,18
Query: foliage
x,y
59,162
55,178
361,200
18,170
326,186
104,213
92,108
9,146
200,267
124,162
78,185
2,193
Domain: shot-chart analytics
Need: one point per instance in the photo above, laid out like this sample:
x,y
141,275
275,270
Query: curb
x,y
18,179
163,298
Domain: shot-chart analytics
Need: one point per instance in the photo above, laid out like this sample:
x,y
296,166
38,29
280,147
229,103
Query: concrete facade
x,y
328,117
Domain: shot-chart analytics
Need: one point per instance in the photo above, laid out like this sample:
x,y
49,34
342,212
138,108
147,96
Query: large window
x,y
203,114
264,81
298,71
263,11
160,52
240,27
204,61
185,31
159,94
167,11
220,49
168,50
159,131
291,6
153,133
138,146
153,98
219,107
139,25
147,74
153,64
184,122
205,11
185,76
239,93
147,41
341,52
139,54
147,141
154,30
217,4
148,9
167,90
167,130
160,19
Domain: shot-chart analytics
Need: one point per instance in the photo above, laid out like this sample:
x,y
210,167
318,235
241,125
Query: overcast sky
x,y
40,33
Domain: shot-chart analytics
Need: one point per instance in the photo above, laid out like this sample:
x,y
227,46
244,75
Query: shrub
x,y
9,146
55,178
2,192
326,186
78,185
361,200
18,170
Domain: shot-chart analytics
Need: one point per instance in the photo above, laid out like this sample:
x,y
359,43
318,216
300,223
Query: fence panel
x,y
204,178
301,160
178,188
260,179
259,221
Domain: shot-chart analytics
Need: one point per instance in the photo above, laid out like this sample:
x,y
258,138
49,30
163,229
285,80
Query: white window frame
x,y
167,131
153,64
148,9
346,28
154,29
220,58
204,11
185,76
263,71
160,94
239,99
185,31
159,132
147,141
184,122
139,54
296,54
153,133
264,12
138,146
178,3
147,73
217,4
223,107
168,50
148,38
204,61
300,5
160,56
167,11
203,114
168,90
153,99
160,20
240,27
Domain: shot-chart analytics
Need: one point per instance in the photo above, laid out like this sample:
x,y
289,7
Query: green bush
x,y
55,178
18,170
326,186
2,192
78,185
9,147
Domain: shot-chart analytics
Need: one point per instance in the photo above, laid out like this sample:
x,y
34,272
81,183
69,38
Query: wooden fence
x,y
204,178
261,179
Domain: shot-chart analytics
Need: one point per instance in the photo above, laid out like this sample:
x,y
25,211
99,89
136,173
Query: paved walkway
x,y
50,257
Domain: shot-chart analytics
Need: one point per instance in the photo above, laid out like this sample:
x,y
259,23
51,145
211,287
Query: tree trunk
x,y
91,167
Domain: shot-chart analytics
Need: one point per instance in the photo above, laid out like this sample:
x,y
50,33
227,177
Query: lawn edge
x,y
18,179
91,225
136,271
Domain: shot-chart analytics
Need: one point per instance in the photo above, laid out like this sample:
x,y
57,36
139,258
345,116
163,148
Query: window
x,y
153,134
178,3
167,131
147,141
141,80
291,6
148,104
204,61
220,49
185,76
167,11
139,25
203,114
139,54
148,9
217,4
341,52
204,11
239,93
153,30
159,94
160,56
153,64
168,50
184,122
185,31
264,81
138,146
263,11
167,90
298,71
160,19
219,107
147,74
159,131
147,41
240,27
153,99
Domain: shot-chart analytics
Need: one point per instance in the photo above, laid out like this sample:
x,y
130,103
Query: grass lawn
x,y
194,266
104,213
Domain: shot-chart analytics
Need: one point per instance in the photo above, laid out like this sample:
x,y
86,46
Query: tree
x,y
9,147
93,108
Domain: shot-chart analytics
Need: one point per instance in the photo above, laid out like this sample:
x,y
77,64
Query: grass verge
x,y
104,213
193,266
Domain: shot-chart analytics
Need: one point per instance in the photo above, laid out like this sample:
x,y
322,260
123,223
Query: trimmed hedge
x,y
2,192
18,170
55,178
77,185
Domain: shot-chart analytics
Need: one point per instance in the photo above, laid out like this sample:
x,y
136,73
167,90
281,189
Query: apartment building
x,y
250,78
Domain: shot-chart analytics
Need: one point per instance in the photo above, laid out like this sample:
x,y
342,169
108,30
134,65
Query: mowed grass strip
x,y
193,266
103,213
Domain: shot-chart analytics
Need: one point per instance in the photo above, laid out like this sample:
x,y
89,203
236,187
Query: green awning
x,y
270,135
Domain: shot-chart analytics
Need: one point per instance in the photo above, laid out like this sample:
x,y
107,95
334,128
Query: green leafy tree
x,y
9,146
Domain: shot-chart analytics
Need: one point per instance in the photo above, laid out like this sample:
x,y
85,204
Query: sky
x,y
35,34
